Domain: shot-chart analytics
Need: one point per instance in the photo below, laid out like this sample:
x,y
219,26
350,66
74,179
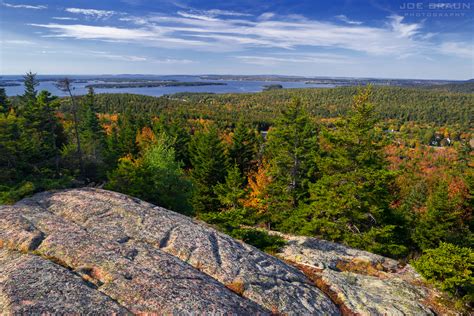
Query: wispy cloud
x,y
294,58
266,16
134,58
217,12
64,18
403,29
463,50
17,42
99,14
345,19
224,31
24,6
80,31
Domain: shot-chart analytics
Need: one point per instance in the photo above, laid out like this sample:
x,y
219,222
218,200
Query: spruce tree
x,y
209,168
178,131
244,148
350,202
30,82
154,176
4,102
291,149
92,138
66,86
231,192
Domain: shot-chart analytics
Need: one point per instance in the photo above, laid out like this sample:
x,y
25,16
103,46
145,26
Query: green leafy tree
x,y
49,128
66,86
30,145
443,220
291,149
155,177
350,202
93,139
450,268
209,165
178,130
30,82
231,192
4,102
244,148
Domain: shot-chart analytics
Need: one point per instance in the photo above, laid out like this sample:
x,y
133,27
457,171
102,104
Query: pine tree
x,y
443,221
291,148
4,102
50,129
92,137
178,131
66,86
209,165
89,120
231,192
244,148
155,176
30,82
350,202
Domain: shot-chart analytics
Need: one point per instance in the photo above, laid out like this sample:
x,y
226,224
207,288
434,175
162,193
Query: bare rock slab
x,y
128,256
360,282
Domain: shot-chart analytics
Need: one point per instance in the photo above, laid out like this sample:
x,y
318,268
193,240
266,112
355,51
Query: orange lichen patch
x,y
363,267
237,286
94,275
275,312
314,274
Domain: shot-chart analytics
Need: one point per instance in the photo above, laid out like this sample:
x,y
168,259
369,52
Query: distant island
x,y
272,87
339,81
151,84
9,84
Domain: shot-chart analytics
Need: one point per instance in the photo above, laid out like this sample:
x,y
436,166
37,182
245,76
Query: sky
x,y
337,38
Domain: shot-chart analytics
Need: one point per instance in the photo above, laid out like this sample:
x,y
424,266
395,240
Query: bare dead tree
x,y
65,86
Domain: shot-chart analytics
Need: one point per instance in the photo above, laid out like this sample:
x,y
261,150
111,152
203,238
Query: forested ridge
x,y
403,104
388,170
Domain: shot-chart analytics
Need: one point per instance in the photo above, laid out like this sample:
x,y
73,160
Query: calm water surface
x,y
232,86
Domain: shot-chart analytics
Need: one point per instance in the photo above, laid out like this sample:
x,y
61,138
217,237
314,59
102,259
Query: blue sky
x,y
374,38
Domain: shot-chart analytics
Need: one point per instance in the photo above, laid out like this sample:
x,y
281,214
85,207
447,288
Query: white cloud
x,y
345,19
95,32
266,16
99,14
64,18
206,30
172,61
133,58
216,12
403,29
24,6
18,42
463,50
197,16
116,56
294,58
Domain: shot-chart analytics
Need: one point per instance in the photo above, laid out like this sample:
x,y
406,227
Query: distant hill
x,y
463,87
